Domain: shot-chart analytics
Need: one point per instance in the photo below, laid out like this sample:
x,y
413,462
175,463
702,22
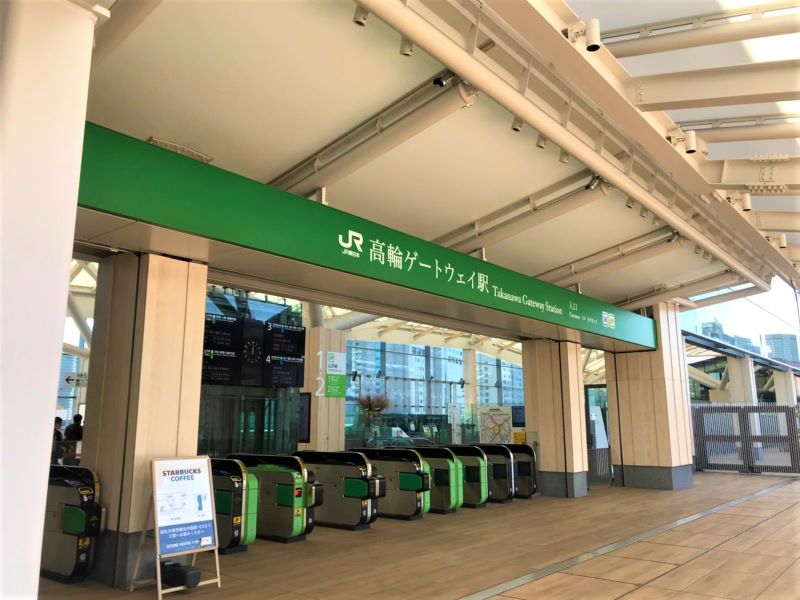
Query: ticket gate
x,y
476,476
524,469
287,496
447,481
73,518
408,483
502,470
236,502
352,488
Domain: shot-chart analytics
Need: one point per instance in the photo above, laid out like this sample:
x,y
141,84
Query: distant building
x,y
783,347
715,330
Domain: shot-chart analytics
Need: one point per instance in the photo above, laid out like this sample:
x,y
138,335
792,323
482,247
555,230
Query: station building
x,y
548,248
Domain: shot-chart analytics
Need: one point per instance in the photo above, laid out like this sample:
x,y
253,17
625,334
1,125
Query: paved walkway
x,y
745,552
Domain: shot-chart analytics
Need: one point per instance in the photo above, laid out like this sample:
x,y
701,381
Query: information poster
x,y
336,375
184,505
495,424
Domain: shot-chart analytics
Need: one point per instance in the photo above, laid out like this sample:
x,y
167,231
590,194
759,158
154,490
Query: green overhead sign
x,y
130,178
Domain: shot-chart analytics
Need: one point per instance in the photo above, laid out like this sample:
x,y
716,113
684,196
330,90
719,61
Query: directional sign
x,y
75,379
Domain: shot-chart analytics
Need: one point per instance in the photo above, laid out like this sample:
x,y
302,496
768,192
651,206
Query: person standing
x,y
74,432
55,454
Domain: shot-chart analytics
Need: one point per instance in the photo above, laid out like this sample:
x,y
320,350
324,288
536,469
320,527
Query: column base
x,y
656,478
115,556
563,485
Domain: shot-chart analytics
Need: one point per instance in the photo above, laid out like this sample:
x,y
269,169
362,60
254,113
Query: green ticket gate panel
x,y
476,476
72,520
447,478
407,483
287,496
236,502
352,487
502,480
524,469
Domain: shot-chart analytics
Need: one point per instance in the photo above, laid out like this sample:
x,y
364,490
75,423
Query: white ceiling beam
x,y
707,284
413,113
613,259
394,326
652,42
75,312
719,298
703,378
350,320
782,222
489,234
425,331
741,84
762,175
746,133
74,350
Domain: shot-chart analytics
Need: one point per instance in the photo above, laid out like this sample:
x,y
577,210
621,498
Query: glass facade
x,y
767,324
425,389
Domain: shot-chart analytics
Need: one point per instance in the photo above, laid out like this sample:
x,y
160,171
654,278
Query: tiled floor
x,y
749,549
747,552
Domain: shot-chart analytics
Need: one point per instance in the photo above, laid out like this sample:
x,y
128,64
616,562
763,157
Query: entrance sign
x,y
130,178
336,376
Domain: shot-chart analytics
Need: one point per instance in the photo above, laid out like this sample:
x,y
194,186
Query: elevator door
x,y
597,446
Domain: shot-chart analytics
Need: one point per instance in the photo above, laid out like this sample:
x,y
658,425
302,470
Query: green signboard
x,y
130,178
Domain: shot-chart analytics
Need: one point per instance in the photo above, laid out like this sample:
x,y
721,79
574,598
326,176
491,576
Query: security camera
x,y
592,35
690,142
406,46
516,125
440,81
360,16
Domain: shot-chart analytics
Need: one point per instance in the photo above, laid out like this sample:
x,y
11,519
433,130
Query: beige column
x,y
327,414
648,410
143,398
555,415
470,396
785,388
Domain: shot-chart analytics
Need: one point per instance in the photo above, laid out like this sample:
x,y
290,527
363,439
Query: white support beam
x,y
703,378
781,222
74,311
492,232
746,133
707,284
425,331
349,320
741,84
614,258
396,325
74,350
652,42
763,175
719,298
413,113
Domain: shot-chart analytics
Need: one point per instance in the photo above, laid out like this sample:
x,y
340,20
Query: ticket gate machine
x,y
287,496
525,469
352,488
408,481
73,518
502,470
236,502
447,481
476,476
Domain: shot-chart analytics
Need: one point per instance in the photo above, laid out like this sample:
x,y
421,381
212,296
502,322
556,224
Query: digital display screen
x,y
222,345
283,371
518,416
285,340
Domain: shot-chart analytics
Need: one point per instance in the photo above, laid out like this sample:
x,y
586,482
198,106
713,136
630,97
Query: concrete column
x,y
327,414
648,410
144,391
471,393
45,55
555,415
785,388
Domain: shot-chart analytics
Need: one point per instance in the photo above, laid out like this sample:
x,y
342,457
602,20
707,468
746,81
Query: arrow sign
x,y
75,379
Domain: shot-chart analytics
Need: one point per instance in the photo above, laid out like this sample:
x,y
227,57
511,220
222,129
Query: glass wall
x,y
766,324
249,399
425,388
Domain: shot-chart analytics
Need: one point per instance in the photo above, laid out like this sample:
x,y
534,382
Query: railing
x,y
759,438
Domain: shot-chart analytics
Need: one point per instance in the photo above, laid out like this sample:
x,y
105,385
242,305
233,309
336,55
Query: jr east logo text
x,y
352,246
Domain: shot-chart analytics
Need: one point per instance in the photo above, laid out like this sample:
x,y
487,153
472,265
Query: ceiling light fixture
x,y
563,157
360,16
516,124
541,141
406,46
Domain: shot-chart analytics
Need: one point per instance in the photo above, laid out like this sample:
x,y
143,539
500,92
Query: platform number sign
x,y
332,376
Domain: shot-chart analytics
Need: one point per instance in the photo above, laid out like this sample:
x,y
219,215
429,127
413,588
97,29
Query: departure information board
x,y
283,371
222,346
285,340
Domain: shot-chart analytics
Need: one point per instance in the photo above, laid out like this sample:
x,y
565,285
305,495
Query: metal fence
x,y
759,438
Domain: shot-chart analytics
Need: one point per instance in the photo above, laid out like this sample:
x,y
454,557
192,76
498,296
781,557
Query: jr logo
x,y
353,239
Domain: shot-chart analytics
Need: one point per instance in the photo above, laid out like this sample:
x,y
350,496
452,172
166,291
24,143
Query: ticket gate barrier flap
x,y
447,476
503,481
287,496
426,496
73,518
352,487
476,476
525,469
407,482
